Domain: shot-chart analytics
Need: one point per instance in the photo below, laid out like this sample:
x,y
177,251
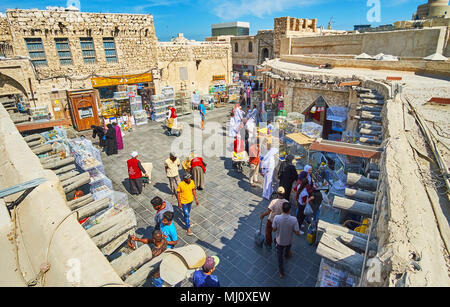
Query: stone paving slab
x,y
225,221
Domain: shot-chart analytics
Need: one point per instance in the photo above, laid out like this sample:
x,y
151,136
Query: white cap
x,y
134,154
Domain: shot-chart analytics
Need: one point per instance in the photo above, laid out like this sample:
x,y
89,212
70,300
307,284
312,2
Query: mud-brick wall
x,y
134,37
404,221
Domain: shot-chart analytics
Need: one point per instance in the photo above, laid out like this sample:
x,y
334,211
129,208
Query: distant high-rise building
x,y
238,28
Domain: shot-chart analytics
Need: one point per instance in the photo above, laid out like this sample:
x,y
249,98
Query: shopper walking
x,y
202,110
111,141
303,197
249,93
119,139
135,171
287,175
198,170
268,165
275,208
185,196
284,225
172,165
254,161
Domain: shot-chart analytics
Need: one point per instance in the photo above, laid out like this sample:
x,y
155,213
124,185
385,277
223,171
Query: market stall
x,y
160,103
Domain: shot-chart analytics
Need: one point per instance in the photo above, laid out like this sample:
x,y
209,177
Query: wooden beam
x,y
371,127
370,101
138,278
325,226
80,202
110,222
374,175
33,144
367,197
123,226
353,206
370,132
64,169
92,208
362,182
355,150
369,141
31,126
389,78
369,108
33,137
58,164
80,177
133,261
68,175
81,180
352,240
109,248
42,149
350,83
330,248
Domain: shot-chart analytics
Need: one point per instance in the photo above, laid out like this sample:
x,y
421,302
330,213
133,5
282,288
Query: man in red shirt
x,y
135,171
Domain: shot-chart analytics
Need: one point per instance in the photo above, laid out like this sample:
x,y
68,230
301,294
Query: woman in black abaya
x,y
111,142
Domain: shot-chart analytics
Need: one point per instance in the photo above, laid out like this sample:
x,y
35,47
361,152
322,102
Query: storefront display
x,y
330,275
183,103
40,114
162,102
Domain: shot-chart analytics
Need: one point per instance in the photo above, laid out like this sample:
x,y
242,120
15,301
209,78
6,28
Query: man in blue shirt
x,y
204,277
202,110
168,229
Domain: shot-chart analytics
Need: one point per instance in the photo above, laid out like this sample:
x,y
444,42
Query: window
x,y
110,50
36,51
236,47
183,73
87,50
250,47
62,46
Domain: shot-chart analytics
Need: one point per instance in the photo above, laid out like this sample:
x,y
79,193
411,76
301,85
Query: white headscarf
x,y
134,154
307,168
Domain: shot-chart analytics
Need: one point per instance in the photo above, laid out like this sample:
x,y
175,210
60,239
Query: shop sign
x,y
118,80
218,77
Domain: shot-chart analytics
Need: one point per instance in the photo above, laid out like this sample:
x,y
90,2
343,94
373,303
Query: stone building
x,y
285,27
55,51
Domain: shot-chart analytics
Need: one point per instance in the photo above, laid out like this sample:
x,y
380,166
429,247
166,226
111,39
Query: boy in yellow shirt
x,y
185,196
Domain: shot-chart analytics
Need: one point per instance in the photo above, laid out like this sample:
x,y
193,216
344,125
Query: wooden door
x,y
84,110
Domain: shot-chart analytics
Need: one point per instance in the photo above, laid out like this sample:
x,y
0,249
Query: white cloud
x,y
233,9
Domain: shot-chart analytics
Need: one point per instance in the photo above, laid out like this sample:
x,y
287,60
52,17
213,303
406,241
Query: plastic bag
x,y
308,210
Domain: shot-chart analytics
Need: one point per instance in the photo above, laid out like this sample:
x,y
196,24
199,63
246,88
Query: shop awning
x,y
300,138
354,150
118,80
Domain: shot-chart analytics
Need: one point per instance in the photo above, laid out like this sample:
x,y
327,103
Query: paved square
x,y
227,217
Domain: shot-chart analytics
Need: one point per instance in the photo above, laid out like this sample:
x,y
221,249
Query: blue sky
x,y
194,17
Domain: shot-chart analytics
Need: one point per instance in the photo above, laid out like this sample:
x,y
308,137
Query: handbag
x,y
308,210
259,237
